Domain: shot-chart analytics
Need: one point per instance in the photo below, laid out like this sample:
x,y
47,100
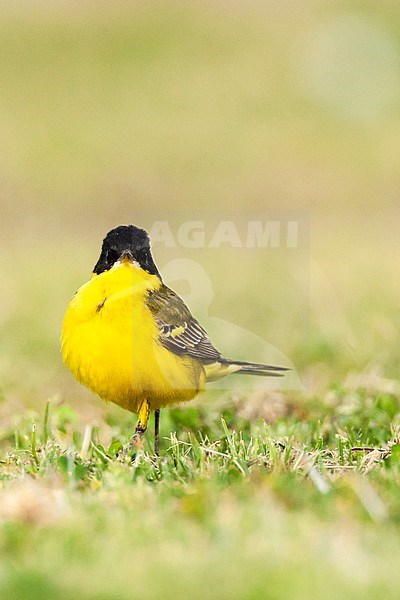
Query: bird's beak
x,y
126,256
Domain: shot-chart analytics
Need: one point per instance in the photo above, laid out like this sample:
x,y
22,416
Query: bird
x,y
133,341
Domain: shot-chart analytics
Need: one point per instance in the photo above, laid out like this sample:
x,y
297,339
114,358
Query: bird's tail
x,y
225,366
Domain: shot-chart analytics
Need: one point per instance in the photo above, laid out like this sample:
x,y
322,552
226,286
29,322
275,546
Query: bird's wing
x,y
178,329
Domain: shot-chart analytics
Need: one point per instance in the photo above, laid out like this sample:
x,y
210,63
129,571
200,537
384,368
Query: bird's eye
x,y
111,256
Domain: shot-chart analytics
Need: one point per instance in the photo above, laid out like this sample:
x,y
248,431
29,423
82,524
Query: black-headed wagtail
x,y
133,341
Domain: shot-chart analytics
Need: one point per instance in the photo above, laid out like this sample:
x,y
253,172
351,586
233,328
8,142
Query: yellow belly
x,y
110,343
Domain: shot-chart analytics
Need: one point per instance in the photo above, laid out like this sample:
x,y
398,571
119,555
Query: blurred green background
x,y
130,112
135,112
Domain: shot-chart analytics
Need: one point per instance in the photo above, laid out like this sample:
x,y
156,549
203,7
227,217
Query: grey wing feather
x,y
179,331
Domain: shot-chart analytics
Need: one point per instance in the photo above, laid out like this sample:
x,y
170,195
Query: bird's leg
x,y
156,431
141,425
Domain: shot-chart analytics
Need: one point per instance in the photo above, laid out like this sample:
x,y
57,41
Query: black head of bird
x,y
126,242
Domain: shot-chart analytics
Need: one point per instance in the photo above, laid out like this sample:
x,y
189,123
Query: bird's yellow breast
x,y
110,343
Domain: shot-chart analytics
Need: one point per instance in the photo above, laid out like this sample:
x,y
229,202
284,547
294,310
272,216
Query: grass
x,y
305,505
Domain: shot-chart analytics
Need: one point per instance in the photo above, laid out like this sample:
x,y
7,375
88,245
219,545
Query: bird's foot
x,y
136,442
